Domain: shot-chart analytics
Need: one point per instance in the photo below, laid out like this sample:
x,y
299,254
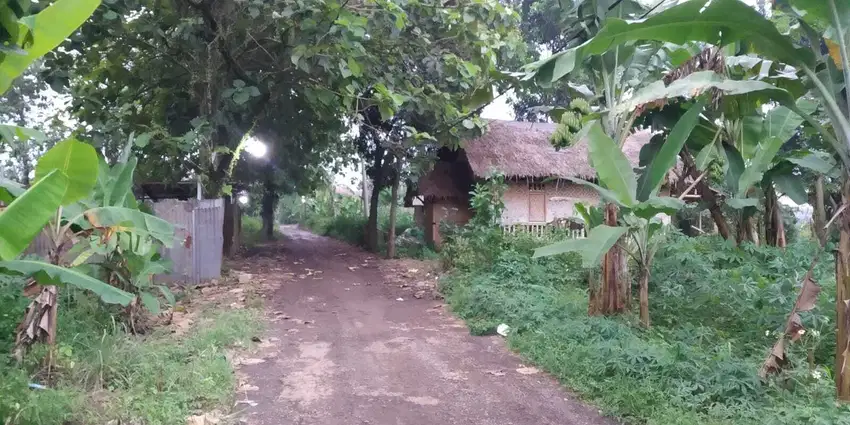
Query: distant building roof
x,y
523,149
518,150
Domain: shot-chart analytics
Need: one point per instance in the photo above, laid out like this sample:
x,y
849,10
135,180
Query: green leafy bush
x,y
252,230
716,309
103,373
344,219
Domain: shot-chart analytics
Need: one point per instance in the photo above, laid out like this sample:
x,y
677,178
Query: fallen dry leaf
x,y
528,371
211,418
249,362
249,387
794,329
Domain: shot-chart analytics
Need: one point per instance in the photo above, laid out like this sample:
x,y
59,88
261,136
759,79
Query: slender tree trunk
x,y
842,286
774,225
644,296
228,227
332,200
717,215
747,230
819,213
393,210
268,204
267,213
364,189
372,231
611,301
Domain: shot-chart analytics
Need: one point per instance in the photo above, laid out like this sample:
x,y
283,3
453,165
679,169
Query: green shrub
x,y
712,305
344,220
252,230
103,373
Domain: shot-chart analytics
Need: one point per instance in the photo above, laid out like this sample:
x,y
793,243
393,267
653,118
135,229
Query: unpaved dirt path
x,y
341,349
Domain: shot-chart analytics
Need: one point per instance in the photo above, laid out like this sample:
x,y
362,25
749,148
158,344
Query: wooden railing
x,y
544,229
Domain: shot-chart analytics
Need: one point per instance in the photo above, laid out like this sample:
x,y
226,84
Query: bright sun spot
x,y
256,148
243,199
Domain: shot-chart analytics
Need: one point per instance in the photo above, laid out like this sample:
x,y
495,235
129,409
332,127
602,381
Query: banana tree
x,y
613,76
636,195
59,205
825,72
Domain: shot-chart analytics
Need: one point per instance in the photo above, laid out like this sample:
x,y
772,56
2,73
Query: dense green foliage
x,y
104,373
344,220
717,310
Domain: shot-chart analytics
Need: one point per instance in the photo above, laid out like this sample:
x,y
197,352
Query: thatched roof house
x,y
522,152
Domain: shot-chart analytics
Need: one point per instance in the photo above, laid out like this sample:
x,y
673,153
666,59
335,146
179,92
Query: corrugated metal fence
x,y
199,223
199,228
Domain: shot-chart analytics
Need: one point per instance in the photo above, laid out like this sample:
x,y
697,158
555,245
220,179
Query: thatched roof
x,y
522,149
446,180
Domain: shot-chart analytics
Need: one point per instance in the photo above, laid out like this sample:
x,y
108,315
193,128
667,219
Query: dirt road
x,y
343,349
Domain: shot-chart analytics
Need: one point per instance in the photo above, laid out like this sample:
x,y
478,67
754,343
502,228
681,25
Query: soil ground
x,y
354,339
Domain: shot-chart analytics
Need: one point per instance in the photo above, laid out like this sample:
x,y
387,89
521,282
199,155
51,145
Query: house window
x,y
536,186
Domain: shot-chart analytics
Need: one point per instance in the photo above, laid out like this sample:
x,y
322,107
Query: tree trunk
x,y
228,227
747,230
268,204
611,301
842,286
372,236
819,213
708,197
774,225
393,209
332,200
267,213
717,215
364,188
644,296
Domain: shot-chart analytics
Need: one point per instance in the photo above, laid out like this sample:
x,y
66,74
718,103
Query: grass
x,y
252,230
712,305
104,374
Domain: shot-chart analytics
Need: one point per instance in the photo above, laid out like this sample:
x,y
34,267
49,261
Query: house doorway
x,y
536,203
